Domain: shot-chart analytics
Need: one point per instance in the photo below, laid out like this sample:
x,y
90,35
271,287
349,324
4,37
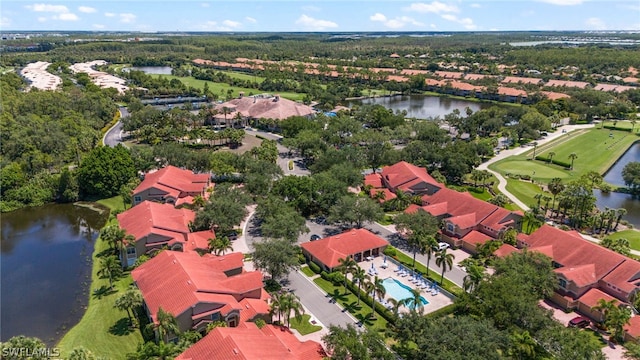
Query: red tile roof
x,y
505,250
476,238
174,181
591,297
581,275
269,107
551,95
388,195
633,328
247,342
563,83
613,87
355,241
412,72
178,281
374,180
502,90
521,80
449,74
403,175
459,85
626,276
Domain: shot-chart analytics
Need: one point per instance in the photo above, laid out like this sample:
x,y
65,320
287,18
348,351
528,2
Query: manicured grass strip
x,y
526,191
433,275
350,302
103,329
632,235
302,324
222,88
305,270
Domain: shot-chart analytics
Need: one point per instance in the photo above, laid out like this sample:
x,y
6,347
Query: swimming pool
x,y
398,290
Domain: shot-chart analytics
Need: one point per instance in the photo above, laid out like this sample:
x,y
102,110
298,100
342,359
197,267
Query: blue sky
x,y
331,16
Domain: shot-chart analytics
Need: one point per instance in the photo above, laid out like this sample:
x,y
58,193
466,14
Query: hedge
x,y
611,127
383,311
442,312
314,267
554,161
390,251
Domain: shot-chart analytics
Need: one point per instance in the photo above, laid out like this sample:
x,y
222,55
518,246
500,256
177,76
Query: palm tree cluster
x,y
284,304
615,317
220,246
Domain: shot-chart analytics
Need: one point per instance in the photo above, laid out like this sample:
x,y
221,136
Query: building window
x,y
131,252
450,227
137,199
562,283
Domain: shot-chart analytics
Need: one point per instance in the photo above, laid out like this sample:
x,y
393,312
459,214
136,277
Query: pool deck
x,y
435,302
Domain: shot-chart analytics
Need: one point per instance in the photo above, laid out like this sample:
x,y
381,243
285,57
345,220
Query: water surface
x,y
423,106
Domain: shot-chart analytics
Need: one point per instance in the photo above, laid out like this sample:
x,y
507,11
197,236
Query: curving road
x,y
113,136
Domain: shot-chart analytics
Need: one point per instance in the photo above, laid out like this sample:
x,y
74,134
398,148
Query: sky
x,y
319,15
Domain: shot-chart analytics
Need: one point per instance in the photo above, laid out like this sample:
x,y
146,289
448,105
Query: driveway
x,y
113,136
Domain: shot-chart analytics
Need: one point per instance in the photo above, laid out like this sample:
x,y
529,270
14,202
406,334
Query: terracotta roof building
x,y
172,185
198,290
248,342
356,243
154,226
265,107
564,83
521,80
408,178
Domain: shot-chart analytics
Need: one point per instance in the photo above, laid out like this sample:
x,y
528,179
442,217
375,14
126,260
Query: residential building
x,y
357,244
155,226
402,176
198,290
172,185
248,342
262,106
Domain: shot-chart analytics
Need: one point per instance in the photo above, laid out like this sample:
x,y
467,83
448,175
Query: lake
x,y
46,269
423,106
162,70
620,200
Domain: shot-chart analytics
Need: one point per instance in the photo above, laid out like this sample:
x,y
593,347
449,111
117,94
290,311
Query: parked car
x,y
321,220
315,237
580,322
443,245
232,235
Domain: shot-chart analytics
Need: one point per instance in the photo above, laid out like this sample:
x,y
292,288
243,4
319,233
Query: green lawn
x,y
596,151
243,76
222,88
632,235
103,329
302,324
350,302
307,271
526,191
623,124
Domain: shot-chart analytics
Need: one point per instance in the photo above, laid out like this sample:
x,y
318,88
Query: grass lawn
x,y
596,151
307,271
243,76
302,324
350,302
526,191
221,88
621,124
103,329
387,220
632,235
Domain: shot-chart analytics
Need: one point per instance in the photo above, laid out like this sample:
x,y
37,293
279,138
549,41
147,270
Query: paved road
x,y
284,154
314,299
113,136
502,182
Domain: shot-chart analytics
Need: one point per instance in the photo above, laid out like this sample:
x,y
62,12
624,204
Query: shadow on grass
x,y
352,307
337,295
104,290
367,319
121,327
107,252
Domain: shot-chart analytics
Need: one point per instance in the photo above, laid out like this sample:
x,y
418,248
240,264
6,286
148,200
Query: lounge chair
x,y
435,291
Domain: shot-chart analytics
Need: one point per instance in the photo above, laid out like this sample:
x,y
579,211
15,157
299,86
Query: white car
x,y
443,245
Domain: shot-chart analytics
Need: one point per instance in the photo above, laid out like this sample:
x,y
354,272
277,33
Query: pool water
x,y
398,290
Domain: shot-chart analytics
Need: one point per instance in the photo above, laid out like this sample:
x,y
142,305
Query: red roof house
x,y
200,289
356,243
266,107
409,178
248,342
155,225
171,185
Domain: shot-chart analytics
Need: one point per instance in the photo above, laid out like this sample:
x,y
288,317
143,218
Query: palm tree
x,y
292,303
109,267
277,305
604,307
633,125
113,235
128,302
444,260
620,213
535,147
429,250
224,244
198,201
360,276
573,156
555,187
616,321
523,345
166,324
475,274
347,265
375,287
551,155
415,301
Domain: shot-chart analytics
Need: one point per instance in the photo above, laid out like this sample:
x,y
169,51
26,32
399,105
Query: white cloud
x,y
563,2
66,17
5,22
466,22
127,18
109,14
595,23
315,24
42,19
395,23
311,8
86,9
48,8
231,24
475,6
251,20
98,26
205,5
435,7
378,17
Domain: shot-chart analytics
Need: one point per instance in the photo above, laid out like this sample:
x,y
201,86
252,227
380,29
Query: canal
x,y
423,106
615,200
46,269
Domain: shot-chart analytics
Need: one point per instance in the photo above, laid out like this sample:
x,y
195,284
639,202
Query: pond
x,y
46,269
161,70
423,106
620,200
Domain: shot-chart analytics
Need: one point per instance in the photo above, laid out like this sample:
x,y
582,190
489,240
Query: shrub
x,y
260,323
315,268
442,312
301,259
336,278
390,251
554,161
